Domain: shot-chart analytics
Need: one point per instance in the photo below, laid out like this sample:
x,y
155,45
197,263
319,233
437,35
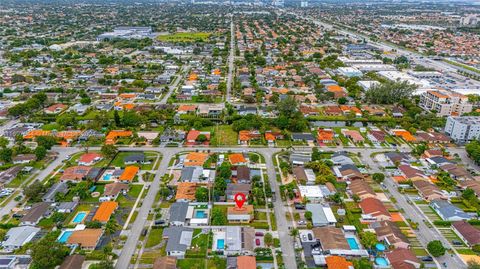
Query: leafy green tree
x,y
435,248
109,151
34,190
3,142
378,177
218,217
47,253
308,215
116,118
201,194
368,239
6,155
268,239
390,92
40,152
46,141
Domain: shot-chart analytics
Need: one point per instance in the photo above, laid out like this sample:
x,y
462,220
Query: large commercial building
x,y
463,129
445,103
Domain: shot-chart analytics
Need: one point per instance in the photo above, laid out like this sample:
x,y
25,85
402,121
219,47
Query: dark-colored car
x,y
427,259
457,242
159,222
258,234
310,237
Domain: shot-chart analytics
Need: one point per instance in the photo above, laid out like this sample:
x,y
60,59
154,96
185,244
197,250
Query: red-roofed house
x,y
89,158
375,208
195,137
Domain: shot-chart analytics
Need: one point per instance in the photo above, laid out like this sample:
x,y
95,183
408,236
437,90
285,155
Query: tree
x,y
336,198
268,239
164,192
435,248
82,189
6,155
47,253
109,151
218,217
112,226
368,239
116,118
201,138
390,92
3,142
34,190
46,141
468,194
308,215
378,177
40,152
201,194
342,100
294,232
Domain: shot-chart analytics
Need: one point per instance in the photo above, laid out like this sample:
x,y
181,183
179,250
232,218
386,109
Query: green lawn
x,y
222,135
199,245
154,237
134,191
185,37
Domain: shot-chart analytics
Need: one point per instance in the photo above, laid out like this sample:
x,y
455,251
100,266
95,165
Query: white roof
x,y
19,236
329,214
310,175
311,191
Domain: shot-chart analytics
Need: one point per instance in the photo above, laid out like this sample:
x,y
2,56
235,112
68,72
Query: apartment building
x,y
463,129
445,103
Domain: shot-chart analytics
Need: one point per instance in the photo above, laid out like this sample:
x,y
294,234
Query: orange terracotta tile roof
x,y
87,238
235,210
127,95
334,88
246,262
113,135
325,135
270,137
244,135
34,133
337,262
187,108
129,173
236,158
68,135
186,191
105,210
195,159
406,135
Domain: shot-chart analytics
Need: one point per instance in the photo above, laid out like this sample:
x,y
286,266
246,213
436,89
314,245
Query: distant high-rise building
x,y
469,20
304,3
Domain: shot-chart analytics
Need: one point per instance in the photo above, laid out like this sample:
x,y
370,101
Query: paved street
x,y
231,58
184,70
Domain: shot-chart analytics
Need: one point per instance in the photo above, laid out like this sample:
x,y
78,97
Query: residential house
x,y
178,213
374,208
195,137
237,159
389,233
447,211
24,158
347,172
410,172
303,137
136,158
112,136
240,215
242,174
178,239
59,187
17,237
304,176
331,238
192,174
428,190
232,189
36,213
105,211
325,136
112,190
129,174
467,232
341,158
89,159
66,207
55,109
245,136
338,262
402,258
300,158
322,215
87,239
362,189
186,191
75,173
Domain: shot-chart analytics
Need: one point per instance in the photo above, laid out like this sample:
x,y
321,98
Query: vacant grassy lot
x,y
184,37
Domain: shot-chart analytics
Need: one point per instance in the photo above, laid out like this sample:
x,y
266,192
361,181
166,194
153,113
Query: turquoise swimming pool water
x,y
64,236
107,177
352,243
79,217
200,214
220,243
381,261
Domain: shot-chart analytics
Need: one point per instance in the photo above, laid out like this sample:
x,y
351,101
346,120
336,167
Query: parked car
x,y
258,234
310,237
159,222
257,242
457,242
427,259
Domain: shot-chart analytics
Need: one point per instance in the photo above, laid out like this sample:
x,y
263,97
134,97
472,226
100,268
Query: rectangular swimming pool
x,y
352,242
107,177
64,236
199,214
220,244
79,217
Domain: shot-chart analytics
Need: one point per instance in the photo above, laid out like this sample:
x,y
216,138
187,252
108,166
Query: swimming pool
x,y
199,214
352,243
107,177
220,243
381,261
79,217
64,236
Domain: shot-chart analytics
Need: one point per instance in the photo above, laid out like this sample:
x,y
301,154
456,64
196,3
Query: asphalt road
x,y
174,85
231,58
